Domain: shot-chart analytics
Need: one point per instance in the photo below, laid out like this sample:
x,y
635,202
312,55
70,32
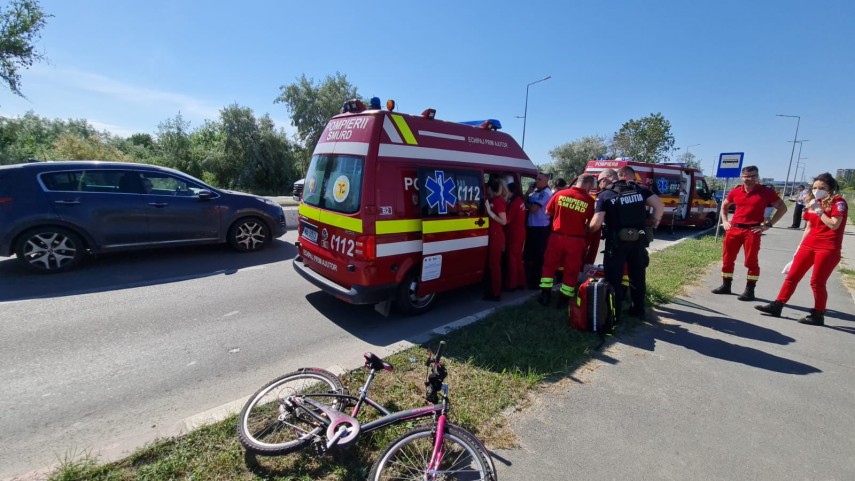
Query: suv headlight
x,y
267,201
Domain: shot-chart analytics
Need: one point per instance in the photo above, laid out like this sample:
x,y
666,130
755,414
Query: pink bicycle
x,y
305,409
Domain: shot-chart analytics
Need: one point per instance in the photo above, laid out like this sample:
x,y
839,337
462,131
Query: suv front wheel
x,y
50,249
249,234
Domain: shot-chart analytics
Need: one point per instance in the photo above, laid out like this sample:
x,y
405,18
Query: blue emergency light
x,y
491,124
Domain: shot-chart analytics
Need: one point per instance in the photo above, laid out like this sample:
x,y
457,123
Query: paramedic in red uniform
x,y
821,244
515,236
571,210
496,206
744,230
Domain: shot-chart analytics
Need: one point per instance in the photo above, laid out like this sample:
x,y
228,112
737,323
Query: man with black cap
x,y
621,210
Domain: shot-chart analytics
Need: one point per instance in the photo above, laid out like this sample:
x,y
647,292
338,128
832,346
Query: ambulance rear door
x,y
454,233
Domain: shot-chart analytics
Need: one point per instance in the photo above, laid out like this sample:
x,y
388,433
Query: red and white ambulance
x,y
687,198
392,210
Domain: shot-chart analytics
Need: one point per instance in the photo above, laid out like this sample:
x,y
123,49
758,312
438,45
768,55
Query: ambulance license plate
x,y
310,233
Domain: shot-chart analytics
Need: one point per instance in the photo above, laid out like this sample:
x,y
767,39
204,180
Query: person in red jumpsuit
x,y
515,236
496,206
820,247
743,231
571,210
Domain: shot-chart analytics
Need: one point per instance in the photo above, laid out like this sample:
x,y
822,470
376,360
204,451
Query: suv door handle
x,y
158,204
67,202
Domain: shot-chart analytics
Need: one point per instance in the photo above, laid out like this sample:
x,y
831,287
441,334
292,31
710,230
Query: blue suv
x,y
53,213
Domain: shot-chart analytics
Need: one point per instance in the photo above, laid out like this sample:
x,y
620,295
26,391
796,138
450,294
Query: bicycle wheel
x,y
408,456
269,427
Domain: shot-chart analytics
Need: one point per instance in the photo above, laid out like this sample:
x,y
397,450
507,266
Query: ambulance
x,y
392,211
687,198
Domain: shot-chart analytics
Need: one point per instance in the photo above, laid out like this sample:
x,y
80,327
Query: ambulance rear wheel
x,y
408,300
709,221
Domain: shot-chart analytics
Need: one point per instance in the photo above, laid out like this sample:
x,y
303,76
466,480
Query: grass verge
x,y
493,365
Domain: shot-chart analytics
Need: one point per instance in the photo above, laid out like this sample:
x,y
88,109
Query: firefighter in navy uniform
x,y
621,211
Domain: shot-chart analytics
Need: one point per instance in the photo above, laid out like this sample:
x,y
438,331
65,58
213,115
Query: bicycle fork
x,y
438,445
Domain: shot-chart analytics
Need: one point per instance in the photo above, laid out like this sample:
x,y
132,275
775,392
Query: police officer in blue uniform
x,y
621,211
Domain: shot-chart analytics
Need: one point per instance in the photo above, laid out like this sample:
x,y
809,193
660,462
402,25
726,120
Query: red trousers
x,y
735,239
563,251
494,261
823,261
516,268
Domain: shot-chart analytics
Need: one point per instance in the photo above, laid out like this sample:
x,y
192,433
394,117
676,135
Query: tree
x,y
95,147
173,145
647,139
311,105
690,160
34,137
21,23
572,157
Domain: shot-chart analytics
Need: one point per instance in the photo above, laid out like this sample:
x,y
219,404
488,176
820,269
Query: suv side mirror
x,y
205,194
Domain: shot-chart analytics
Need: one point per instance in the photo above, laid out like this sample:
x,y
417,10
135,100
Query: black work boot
x,y
748,294
724,288
563,301
545,297
773,308
815,318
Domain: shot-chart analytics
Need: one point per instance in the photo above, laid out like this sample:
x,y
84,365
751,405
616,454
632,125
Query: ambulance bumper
x,y
353,295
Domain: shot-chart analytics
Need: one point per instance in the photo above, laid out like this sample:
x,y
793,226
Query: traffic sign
x,y
730,165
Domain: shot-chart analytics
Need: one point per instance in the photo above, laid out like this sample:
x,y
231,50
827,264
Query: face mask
x,y
819,194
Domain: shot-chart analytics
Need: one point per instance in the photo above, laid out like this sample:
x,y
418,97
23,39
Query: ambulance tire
x,y
407,301
709,221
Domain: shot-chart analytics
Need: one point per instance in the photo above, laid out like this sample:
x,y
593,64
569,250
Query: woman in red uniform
x,y
496,206
821,244
515,236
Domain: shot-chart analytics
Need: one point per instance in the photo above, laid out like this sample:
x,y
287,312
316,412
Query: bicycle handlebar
x,y
439,352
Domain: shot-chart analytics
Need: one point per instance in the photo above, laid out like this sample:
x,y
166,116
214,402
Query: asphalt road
x,y
131,346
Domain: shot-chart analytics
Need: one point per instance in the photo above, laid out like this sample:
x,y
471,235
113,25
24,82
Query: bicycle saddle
x,y
374,362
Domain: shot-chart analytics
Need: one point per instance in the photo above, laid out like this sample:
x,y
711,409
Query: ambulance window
x,y
334,182
450,193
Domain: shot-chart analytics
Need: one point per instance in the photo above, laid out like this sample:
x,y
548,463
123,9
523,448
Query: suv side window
x,y
64,181
157,183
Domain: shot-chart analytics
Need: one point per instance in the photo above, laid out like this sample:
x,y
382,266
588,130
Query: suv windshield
x,y
334,182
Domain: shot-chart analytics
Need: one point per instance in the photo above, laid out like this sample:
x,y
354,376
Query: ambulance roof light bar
x,y
489,124
390,105
352,105
429,114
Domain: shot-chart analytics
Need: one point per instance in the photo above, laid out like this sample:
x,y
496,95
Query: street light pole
x,y
525,113
800,142
687,152
793,151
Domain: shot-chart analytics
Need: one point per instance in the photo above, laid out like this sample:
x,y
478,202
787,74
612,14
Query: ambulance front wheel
x,y
709,221
408,301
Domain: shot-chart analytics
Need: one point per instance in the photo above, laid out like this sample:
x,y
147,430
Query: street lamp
x,y
796,173
797,165
525,113
795,139
803,170
687,152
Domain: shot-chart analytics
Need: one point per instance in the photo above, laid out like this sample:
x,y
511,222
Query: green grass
x,y
493,365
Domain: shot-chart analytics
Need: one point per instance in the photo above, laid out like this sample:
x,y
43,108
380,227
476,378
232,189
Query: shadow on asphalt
x,y
725,324
123,270
678,335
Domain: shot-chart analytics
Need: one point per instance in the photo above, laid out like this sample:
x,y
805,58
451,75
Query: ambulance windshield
x,y
334,182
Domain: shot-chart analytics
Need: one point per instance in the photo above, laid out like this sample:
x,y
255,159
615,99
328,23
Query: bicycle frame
x,y
334,420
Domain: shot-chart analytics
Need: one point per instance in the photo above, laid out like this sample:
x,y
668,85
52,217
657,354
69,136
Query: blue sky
x,y
718,71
